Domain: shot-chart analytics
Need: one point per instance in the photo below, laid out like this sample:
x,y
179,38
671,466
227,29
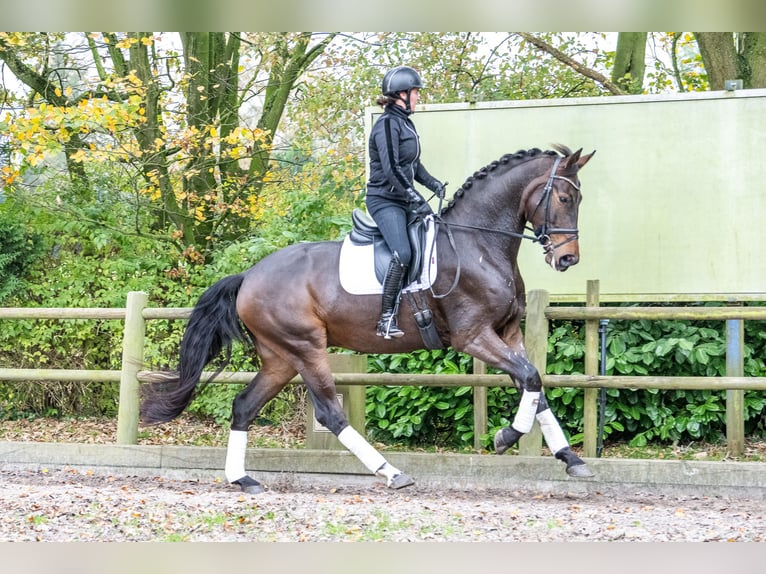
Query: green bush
x,y
83,254
20,248
428,416
420,415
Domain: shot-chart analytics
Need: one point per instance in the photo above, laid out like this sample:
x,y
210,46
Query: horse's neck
x,y
495,206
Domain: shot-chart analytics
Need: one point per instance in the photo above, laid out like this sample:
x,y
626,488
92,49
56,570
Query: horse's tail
x,y
213,326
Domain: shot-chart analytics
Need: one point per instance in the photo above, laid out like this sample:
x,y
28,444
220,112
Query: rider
x,y
394,150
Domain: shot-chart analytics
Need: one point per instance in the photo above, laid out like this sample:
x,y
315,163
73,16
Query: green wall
x,y
674,199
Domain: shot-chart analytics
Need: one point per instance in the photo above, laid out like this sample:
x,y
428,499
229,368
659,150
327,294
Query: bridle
x,y
542,234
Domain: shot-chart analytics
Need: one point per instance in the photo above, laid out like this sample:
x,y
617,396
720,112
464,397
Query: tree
x,y
733,56
587,71
629,61
725,56
182,121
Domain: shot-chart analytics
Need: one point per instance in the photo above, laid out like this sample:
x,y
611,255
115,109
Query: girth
x,y
366,232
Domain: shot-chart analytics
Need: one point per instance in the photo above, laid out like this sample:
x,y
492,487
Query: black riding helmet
x,y
401,79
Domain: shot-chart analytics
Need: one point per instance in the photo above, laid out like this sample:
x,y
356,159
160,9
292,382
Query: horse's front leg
x,y
512,358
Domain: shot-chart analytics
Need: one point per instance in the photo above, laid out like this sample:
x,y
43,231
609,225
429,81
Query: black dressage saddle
x,y
366,232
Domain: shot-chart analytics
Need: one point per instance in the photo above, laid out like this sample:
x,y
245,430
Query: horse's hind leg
x,y
328,412
272,377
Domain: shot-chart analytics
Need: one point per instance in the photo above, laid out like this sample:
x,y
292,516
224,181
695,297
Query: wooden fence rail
x,y
539,313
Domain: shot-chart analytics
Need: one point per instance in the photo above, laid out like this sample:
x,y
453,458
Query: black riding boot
x,y
392,288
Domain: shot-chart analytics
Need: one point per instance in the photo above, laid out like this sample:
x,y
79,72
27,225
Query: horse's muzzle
x,y
561,263
566,261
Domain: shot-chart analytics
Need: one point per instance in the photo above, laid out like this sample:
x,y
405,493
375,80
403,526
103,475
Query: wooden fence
x,y
539,312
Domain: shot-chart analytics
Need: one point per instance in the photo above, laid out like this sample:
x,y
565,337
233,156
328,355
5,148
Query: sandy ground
x,y
69,504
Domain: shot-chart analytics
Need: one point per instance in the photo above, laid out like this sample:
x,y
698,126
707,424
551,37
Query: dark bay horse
x,y
291,307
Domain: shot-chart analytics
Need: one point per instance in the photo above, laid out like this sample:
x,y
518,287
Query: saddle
x,y
365,232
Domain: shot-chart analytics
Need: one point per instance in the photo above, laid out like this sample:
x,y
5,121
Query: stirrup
x,y
387,327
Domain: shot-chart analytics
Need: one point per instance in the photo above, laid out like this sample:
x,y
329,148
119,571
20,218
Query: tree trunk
x,y
629,63
754,55
719,56
729,56
289,64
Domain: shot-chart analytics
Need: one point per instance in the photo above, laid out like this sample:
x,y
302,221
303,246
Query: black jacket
x,y
394,149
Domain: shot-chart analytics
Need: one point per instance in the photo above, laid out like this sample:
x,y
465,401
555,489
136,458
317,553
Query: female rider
x,y
394,150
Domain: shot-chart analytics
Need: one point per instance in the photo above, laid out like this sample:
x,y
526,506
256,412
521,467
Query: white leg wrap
x,y
389,471
362,449
235,455
525,416
554,436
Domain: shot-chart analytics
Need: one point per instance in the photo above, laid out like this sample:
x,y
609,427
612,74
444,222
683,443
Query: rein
x,y
541,234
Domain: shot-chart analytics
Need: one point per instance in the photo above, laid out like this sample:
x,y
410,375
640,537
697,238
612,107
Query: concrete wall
x,y
433,471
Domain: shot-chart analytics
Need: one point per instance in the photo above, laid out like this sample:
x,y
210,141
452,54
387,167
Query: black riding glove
x,y
439,188
414,196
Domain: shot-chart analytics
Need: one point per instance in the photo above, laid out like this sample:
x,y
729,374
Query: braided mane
x,y
509,159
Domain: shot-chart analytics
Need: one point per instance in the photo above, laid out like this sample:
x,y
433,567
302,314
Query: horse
x,y
290,307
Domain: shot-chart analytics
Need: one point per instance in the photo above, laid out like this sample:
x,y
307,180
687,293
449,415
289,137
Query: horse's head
x,y
551,206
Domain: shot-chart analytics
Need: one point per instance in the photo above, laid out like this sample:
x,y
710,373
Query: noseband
x,y
544,232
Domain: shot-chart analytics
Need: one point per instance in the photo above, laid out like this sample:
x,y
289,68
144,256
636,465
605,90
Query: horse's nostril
x,y
568,260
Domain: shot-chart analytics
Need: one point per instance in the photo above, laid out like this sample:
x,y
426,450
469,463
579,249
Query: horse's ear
x,y
581,161
572,159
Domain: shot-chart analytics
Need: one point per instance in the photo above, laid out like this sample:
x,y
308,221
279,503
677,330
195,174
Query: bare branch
x,y
576,66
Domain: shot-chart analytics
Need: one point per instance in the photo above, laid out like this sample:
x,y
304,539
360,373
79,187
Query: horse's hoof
x,y
250,485
400,481
505,438
500,446
579,471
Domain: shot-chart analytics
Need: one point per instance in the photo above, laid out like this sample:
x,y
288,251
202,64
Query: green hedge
x,y
443,417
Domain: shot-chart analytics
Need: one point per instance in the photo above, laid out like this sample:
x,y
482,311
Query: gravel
x,y
70,504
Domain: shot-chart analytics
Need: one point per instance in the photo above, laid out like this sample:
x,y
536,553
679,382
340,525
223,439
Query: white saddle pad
x,y
357,267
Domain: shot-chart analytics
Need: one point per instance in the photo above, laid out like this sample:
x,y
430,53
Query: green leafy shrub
x,y
20,248
444,417
90,258
416,414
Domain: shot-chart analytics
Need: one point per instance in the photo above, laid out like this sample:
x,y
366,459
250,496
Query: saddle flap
x,y
365,232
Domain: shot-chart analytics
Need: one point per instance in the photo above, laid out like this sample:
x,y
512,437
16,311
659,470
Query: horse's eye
x,y
564,198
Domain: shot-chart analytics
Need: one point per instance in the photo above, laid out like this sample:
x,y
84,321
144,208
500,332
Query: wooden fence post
x,y
536,343
351,397
590,398
735,399
479,406
132,363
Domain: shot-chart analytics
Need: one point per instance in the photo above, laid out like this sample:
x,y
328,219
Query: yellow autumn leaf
x,y
126,42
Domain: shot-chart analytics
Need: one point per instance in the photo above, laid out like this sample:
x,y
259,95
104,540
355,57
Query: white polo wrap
x,y
554,436
525,416
235,455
